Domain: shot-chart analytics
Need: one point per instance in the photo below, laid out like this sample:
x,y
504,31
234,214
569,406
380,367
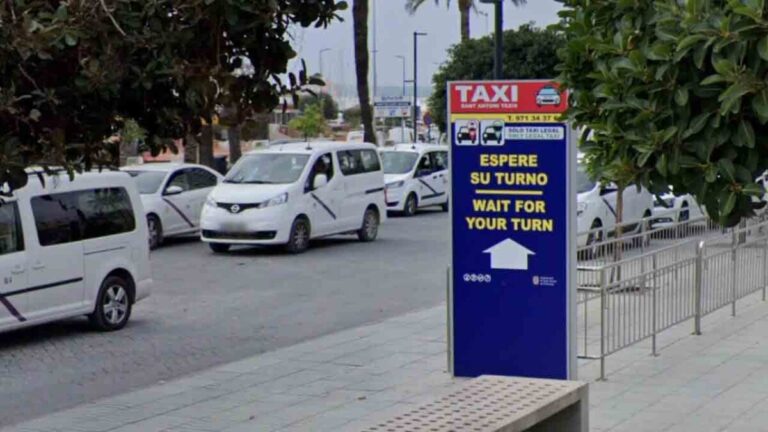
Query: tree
x,y
360,21
465,6
330,107
672,95
311,123
352,116
72,72
529,52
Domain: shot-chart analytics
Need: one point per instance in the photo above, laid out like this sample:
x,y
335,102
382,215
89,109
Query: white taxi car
x,y
416,176
173,195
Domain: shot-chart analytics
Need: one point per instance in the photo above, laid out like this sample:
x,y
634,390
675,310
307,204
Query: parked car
x,y
596,208
73,247
548,96
416,176
173,195
290,194
669,210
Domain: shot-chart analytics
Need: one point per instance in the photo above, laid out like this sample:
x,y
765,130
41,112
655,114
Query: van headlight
x,y
581,208
280,199
395,185
210,202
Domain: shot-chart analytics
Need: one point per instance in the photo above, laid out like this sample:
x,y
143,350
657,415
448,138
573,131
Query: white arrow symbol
x,y
509,255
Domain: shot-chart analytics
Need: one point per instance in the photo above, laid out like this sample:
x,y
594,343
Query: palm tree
x,y
360,24
465,6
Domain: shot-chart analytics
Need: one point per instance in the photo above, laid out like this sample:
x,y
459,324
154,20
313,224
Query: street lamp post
x,y
320,57
497,58
416,80
402,58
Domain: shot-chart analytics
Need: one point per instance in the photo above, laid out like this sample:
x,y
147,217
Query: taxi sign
x,y
513,219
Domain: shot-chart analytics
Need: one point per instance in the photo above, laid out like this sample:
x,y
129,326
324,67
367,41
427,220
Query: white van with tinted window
x,y
73,247
289,194
416,176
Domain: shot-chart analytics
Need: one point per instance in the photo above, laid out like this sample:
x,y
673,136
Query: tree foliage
x,y
465,7
672,94
330,107
70,72
529,53
311,123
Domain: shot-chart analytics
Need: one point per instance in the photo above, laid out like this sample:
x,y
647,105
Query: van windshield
x,y
396,162
267,168
148,182
583,182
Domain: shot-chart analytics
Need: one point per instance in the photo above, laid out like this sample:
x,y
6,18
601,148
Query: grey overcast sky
x,y
394,36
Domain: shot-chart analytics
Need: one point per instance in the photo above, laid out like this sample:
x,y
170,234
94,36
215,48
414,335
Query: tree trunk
x,y
465,6
233,135
205,150
360,18
618,245
190,149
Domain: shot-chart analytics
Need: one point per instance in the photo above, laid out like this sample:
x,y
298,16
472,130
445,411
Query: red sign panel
x,y
507,97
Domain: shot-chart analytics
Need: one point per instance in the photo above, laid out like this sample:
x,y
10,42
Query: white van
x,y
292,193
73,247
416,176
596,208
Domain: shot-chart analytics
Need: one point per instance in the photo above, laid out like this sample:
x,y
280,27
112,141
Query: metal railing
x,y
632,291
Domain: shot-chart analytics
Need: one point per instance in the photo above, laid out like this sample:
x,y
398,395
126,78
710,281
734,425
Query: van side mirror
x,y
423,172
605,190
173,190
319,181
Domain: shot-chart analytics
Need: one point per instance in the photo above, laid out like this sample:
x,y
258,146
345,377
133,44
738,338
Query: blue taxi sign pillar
x,y
513,211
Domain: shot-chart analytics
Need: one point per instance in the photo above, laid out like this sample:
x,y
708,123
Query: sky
x,y
394,36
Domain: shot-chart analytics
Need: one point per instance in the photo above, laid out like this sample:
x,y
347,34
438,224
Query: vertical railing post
x,y
765,266
654,313
734,248
697,288
602,321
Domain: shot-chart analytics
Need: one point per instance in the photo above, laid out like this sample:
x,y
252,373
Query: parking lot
x,y
208,309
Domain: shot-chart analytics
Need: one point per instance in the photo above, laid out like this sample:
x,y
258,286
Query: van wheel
x,y
446,205
113,305
219,247
411,204
298,241
155,228
370,228
595,246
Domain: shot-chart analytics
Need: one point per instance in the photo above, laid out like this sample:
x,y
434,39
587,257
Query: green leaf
x,y
661,164
727,169
753,189
727,205
712,79
70,39
760,105
746,134
762,48
725,67
681,96
696,125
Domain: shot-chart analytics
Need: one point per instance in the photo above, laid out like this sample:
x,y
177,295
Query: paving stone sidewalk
x,y
349,380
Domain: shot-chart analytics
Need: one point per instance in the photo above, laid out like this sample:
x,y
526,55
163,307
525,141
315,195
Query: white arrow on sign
x,y
509,255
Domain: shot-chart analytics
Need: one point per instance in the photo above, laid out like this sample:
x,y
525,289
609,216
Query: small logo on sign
x,y
235,208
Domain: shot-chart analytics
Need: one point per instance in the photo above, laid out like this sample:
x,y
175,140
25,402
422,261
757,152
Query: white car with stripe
x,y
173,195
596,208
416,176
289,194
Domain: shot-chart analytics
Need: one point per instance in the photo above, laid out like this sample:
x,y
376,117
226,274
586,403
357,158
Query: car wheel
x,y
219,247
411,204
113,305
155,228
370,228
298,241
